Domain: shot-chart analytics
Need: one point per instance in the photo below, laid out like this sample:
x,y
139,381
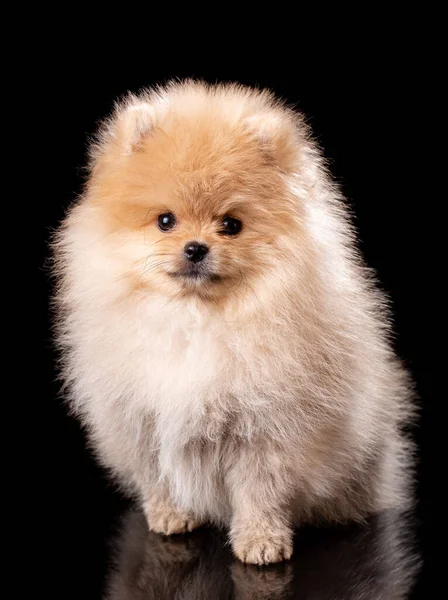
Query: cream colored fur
x,y
268,399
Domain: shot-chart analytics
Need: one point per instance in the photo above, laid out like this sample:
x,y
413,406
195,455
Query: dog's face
x,y
198,202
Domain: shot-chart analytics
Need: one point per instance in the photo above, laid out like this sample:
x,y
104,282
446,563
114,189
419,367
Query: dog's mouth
x,y
196,275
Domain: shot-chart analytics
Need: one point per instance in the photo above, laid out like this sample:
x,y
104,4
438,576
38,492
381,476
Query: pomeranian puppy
x,y
221,339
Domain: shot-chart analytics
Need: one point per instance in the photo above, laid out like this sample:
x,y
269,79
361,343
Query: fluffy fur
x,y
262,395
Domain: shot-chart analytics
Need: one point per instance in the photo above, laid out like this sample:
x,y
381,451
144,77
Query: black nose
x,y
195,251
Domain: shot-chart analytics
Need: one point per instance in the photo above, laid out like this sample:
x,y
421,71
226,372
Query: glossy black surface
x,y
87,540
107,552
374,561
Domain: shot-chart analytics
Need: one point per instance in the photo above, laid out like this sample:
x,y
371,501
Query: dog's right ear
x,y
134,124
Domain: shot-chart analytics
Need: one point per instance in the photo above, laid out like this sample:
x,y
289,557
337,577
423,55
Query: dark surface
x,y
373,562
361,116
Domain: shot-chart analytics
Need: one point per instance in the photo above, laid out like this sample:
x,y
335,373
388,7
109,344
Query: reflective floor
x,y
377,561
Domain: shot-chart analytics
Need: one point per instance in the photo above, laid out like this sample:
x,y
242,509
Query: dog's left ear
x,y
277,135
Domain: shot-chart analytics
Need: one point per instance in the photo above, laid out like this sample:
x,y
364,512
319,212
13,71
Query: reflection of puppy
x,y
373,561
221,339
151,567
369,562
253,583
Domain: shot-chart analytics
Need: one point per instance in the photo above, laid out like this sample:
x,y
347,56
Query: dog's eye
x,y
166,222
230,226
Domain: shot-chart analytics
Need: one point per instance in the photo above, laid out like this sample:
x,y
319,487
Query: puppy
x,y
221,339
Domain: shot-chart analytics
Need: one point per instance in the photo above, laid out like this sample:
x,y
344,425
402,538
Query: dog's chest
x,y
185,358
191,387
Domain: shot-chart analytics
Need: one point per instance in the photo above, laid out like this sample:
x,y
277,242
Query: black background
x,y
364,108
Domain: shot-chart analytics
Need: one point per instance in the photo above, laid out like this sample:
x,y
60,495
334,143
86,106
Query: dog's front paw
x,y
164,518
263,549
172,522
